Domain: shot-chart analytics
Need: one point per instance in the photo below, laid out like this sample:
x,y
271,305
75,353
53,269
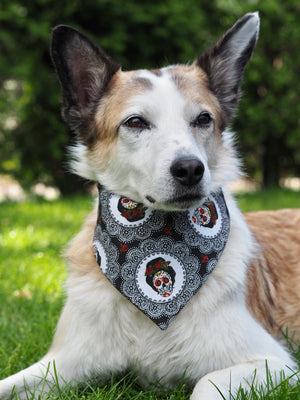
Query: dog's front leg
x,y
38,378
83,348
225,383
56,369
49,375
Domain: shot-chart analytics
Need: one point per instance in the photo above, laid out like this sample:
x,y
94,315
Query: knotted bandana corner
x,y
159,259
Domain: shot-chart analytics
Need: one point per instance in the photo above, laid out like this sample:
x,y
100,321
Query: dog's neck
x,y
159,259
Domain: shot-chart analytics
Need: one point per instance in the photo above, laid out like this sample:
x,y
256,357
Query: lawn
x,y
32,273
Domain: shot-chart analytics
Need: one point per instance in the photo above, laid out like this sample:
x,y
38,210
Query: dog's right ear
x,y
84,71
224,63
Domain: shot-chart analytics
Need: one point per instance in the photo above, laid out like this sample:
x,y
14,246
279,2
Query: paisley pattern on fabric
x,y
159,259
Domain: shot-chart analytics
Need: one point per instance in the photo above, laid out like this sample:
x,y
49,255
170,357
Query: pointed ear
x,y
224,63
84,71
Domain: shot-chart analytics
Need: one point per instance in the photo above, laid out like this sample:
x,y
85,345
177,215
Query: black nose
x,y
187,171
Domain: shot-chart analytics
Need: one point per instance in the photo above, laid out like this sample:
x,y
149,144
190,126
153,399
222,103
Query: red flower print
x,y
124,247
213,218
149,271
166,294
204,259
167,230
157,265
201,210
126,214
136,213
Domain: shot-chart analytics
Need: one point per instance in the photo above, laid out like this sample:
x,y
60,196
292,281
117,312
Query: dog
x,y
157,143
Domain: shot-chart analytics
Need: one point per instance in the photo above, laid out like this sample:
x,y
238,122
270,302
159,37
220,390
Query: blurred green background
x,y
144,33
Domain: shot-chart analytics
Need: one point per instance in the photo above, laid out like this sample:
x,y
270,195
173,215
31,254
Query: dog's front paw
x,y
206,389
225,383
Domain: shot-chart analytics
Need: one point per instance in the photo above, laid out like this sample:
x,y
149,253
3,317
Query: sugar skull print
x,y
131,210
162,282
206,215
160,276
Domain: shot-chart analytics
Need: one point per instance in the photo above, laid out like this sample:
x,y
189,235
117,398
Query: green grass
x,y
272,199
32,273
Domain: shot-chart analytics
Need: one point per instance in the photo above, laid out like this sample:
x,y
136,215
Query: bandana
x,y
159,259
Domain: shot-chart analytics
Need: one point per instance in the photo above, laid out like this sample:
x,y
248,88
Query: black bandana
x,y
159,259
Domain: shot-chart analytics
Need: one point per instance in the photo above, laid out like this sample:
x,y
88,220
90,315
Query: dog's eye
x,y
203,120
136,123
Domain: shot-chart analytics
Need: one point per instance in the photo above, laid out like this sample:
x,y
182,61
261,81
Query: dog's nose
x,y
187,171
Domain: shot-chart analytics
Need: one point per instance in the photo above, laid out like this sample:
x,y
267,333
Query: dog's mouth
x,y
184,202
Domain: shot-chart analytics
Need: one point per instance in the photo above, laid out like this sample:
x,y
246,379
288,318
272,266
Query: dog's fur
x,y
273,282
131,127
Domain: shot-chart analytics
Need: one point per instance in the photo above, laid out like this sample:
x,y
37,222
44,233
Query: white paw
x,y
207,390
224,384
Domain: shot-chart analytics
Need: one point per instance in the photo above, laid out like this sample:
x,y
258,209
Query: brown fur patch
x,y
273,291
156,72
80,250
123,86
193,83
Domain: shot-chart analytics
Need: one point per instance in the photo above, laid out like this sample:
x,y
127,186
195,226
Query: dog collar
x,y
158,259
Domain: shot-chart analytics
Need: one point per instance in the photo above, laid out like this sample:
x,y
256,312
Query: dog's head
x,y
156,136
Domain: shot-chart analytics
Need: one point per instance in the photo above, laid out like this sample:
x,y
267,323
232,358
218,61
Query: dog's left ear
x,y
224,63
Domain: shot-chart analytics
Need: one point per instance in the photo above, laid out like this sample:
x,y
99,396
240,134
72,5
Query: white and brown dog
x,y
157,143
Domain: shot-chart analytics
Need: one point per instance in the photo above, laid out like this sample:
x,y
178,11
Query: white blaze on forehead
x,y
161,99
171,94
